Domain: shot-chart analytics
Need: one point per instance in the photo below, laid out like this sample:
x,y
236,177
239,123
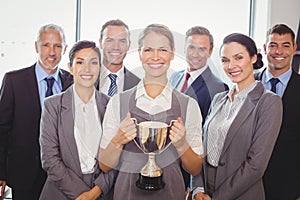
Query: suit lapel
x,y
290,88
66,79
130,79
176,78
195,86
33,91
198,83
101,105
245,110
67,123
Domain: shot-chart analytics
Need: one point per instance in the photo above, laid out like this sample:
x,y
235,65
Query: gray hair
x,y
54,27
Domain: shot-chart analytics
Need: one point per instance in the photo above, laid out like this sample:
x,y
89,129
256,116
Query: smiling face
x,y
115,44
237,64
197,50
279,50
156,55
85,68
50,49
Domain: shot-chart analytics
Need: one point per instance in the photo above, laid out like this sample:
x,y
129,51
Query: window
x,y
17,41
20,23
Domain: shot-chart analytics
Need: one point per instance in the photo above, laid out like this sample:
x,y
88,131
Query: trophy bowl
x,y
152,136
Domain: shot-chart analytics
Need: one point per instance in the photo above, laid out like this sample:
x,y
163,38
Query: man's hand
x,y
3,184
92,194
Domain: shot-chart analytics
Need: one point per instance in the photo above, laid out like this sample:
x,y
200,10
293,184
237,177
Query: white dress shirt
x,y
87,132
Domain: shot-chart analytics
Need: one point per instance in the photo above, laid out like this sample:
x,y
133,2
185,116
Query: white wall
x,y
271,12
285,11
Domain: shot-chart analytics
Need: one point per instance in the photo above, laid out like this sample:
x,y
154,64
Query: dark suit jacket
x,y
59,150
282,177
203,89
247,147
20,112
130,80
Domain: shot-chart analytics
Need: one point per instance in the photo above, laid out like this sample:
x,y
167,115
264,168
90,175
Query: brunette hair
x,y
248,43
84,44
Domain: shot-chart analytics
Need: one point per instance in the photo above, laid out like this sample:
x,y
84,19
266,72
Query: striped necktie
x,y
113,85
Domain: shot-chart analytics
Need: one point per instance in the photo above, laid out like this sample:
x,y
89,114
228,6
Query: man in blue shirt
x,y
21,100
281,179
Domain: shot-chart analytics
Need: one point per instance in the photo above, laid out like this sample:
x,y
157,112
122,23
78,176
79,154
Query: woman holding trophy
x,y
148,155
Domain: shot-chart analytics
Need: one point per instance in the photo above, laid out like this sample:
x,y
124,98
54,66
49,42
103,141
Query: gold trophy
x,y
152,136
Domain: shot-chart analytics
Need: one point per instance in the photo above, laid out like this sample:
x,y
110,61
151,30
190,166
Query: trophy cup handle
x,y
134,120
171,123
136,143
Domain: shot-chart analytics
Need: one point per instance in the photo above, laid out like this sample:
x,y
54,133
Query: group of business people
x,y
79,143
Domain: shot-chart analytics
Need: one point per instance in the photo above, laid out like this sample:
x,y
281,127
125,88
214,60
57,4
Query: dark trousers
x,y
186,177
32,193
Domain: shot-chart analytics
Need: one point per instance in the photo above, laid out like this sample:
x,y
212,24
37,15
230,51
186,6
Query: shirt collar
x,y
41,74
166,93
194,74
242,94
105,72
79,102
284,78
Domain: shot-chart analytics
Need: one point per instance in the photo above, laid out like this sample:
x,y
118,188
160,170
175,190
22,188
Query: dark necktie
x,y
185,84
113,85
50,82
274,82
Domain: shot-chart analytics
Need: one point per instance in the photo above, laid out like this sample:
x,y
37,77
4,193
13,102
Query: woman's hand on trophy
x,y
126,132
177,135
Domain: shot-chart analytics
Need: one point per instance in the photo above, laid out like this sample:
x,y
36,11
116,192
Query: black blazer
x,y
282,177
20,113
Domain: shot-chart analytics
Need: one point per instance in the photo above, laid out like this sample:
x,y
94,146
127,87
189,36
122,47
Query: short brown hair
x,y
281,29
200,30
114,22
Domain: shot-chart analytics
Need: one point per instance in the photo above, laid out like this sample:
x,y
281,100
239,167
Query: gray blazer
x,y
59,151
247,148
